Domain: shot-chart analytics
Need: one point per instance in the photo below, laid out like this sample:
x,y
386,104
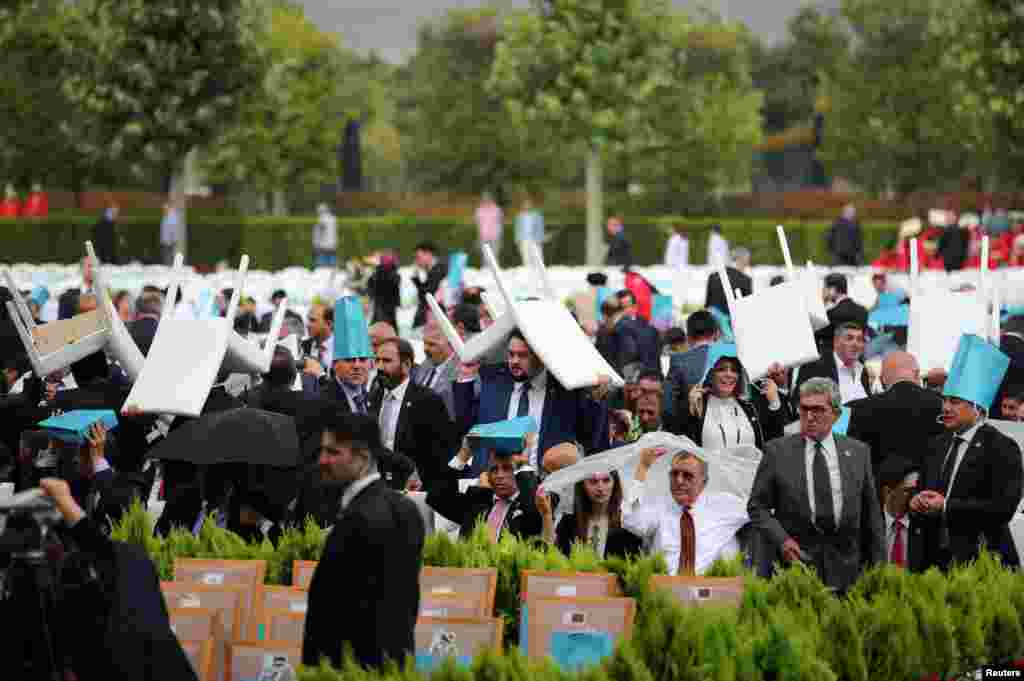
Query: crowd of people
x,y
918,477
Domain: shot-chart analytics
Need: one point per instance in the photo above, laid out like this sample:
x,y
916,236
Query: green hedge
x,y
276,243
892,626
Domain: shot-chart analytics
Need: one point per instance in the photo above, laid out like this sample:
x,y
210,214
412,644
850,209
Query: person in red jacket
x,y
10,207
38,203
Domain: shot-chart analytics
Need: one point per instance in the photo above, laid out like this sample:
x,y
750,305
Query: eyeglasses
x,y
687,476
814,410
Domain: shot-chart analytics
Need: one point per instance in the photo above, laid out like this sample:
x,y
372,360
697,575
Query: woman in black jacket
x,y
596,519
721,412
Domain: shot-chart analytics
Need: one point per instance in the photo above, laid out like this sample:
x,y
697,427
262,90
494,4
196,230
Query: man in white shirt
x,y
691,529
843,365
677,251
325,238
718,248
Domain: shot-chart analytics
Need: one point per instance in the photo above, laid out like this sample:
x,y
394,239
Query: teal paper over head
x,y
456,270
662,314
351,334
717,351
573,650
842,423
978,370
890,299
73,426
603,293
425,662
898,315
724,325
39,295
508,436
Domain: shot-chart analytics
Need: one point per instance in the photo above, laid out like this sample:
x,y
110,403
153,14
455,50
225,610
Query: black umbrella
x,y
245,436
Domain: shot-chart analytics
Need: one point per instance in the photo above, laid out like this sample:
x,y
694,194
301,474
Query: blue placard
x,y
603,293
842,423
456,270
898,315
573,650
662,313
73,426
425,662
890,299
724,325
523,631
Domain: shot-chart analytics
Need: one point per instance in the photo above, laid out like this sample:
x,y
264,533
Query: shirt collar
x,y
968,434
353,490
350,390
828,443
399,392
538,382
890,520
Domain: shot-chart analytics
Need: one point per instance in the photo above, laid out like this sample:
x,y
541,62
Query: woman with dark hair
x,y
596,519
722,412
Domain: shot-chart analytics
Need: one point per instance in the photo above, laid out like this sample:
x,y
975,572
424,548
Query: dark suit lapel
x,y
546,416
403,414
847,474
798,464
504,397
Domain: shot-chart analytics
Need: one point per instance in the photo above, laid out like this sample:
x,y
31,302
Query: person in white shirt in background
x,y
677,251
325,238
529,228
718,247
170,232
691,529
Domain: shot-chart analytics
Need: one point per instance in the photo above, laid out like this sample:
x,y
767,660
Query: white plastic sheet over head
x,y
771,326
730,470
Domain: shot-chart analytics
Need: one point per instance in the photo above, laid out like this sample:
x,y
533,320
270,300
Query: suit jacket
x,y
365,591
780,508
985,494
143,331
824,367
470,507
620,542
896,422
638,341
715,294
569,415
434,278
442,384
423,432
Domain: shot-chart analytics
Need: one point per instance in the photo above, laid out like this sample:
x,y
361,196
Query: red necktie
x,y
687,545
898,554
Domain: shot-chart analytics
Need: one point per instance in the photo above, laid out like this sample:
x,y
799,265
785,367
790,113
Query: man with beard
x,y
413,419
365,591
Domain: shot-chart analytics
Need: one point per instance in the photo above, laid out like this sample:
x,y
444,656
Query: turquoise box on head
x,y
977,372
351,333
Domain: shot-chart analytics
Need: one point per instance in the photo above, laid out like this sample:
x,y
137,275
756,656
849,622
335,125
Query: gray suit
x,y
780,508
442,383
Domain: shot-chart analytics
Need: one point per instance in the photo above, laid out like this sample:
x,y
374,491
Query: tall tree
x,y
287,132
590,70
456,134
894,124
161,78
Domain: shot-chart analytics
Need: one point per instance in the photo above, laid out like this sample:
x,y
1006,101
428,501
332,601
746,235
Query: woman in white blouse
x,y
596,521
722,412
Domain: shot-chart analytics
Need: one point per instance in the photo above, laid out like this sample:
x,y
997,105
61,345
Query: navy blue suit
x,y
569,415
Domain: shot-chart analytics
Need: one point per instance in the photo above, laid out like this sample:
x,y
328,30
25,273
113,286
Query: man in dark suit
x,y
143,330
898,479
429,275
647,342
365,592
506,504
715,294
843,365
896,422
971,487
318,349
524,387
686,369
814,498
268,318
413,419
841,310
844,239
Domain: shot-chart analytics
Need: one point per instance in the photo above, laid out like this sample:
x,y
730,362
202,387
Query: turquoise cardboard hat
x,y
977,371
508,437
898,315
724,324
456,270
842,424
717,351
351,334
73,426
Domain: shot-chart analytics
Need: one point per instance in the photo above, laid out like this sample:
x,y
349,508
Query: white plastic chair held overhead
x,y
246,357
549,329
59,344
186,356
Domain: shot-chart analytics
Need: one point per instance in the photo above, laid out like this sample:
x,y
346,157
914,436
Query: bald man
x,y
899,421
